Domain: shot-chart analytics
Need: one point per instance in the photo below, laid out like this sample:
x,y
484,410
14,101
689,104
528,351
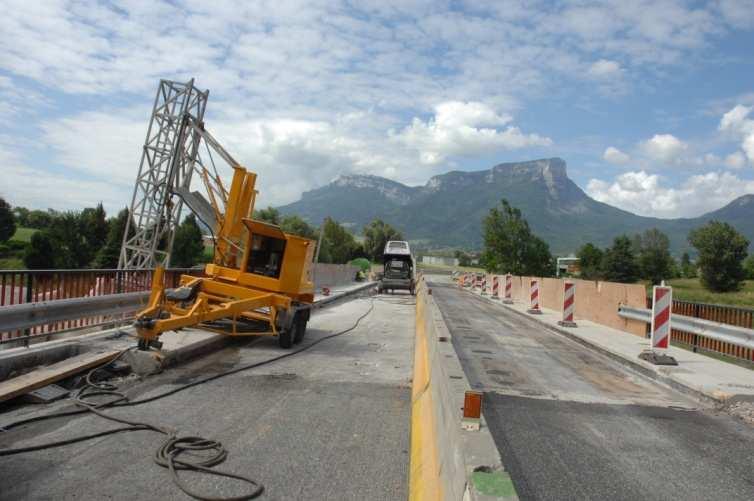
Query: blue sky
x,y
649,102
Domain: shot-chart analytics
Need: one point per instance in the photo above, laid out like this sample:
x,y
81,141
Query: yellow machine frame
x,y
230,289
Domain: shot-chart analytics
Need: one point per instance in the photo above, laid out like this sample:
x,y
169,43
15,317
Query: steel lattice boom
x,y
166,168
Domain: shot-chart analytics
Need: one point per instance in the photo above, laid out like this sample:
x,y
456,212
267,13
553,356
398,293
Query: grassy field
x,y
11,263
429,267
690,289
23,234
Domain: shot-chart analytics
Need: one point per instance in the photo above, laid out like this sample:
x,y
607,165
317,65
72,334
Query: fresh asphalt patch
x,y
571,450
570,423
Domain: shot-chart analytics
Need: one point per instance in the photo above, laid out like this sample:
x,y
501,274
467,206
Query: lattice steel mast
x,y
166,168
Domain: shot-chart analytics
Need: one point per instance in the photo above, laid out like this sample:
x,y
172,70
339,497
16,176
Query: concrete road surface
x,y
329,423
572,424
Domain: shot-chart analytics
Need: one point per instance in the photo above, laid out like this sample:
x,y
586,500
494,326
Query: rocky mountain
x,y
448,210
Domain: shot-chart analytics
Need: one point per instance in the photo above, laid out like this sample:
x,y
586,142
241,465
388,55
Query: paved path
x,y
572,424
330,423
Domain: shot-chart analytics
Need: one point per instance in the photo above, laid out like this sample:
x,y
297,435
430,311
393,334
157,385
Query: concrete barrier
x,y
595,301
443,456
333,275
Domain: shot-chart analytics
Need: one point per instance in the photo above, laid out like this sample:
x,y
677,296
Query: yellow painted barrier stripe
x,y
424,473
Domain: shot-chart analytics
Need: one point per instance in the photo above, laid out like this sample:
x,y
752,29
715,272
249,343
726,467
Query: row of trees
x,y
84,239
722,261
89,239
338,244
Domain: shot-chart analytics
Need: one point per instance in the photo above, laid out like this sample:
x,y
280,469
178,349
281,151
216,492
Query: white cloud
x,y
735,160
664,148
739,13
288,74
645,194
457,128
604,69
737,123
104,145
615,156
58,190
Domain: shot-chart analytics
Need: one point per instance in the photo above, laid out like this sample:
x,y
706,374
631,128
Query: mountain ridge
x,y
447,211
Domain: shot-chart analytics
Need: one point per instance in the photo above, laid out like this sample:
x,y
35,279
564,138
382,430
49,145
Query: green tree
x,y
40,220
337,243
590,261
721,252
511,247
295,225
94,227
749,267
688,269
376,235
71,248
39,254
108,255
188,246
22,215
269,215
654,259
463,258
619,263
7,221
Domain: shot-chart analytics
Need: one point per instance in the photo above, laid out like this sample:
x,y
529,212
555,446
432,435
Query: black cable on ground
x,y
169,453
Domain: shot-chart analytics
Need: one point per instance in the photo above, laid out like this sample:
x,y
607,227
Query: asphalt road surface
x,y
329,423
572,424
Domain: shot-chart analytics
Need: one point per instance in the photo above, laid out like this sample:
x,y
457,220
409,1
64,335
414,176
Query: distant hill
x,y
448,210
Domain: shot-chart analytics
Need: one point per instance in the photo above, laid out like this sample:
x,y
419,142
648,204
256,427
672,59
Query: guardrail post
x,y
29,283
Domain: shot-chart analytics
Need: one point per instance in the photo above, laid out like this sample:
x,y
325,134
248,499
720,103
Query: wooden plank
x,y
43,376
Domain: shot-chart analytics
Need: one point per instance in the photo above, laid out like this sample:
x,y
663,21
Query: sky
x,y
650,103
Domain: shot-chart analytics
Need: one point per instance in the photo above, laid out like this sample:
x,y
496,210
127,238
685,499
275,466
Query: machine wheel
x,y
300,328
285,336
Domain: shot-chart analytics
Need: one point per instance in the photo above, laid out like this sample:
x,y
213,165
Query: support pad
x,y
534,311
144,363
507,301
566,323
657,358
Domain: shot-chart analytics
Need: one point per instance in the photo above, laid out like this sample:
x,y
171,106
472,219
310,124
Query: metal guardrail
x,y
28,315
738,336
37,286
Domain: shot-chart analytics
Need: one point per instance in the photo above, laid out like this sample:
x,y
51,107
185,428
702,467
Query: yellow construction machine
x,y
259,274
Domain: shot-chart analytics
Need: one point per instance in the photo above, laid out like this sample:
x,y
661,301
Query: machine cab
x,y
398,272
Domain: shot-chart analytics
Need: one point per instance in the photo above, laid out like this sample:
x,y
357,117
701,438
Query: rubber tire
x,y
285,336
300,322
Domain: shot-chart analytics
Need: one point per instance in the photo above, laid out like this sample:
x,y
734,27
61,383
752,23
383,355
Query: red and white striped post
x,y
569,304
495,287
508,299
534,298
484,284
661,307
662,303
